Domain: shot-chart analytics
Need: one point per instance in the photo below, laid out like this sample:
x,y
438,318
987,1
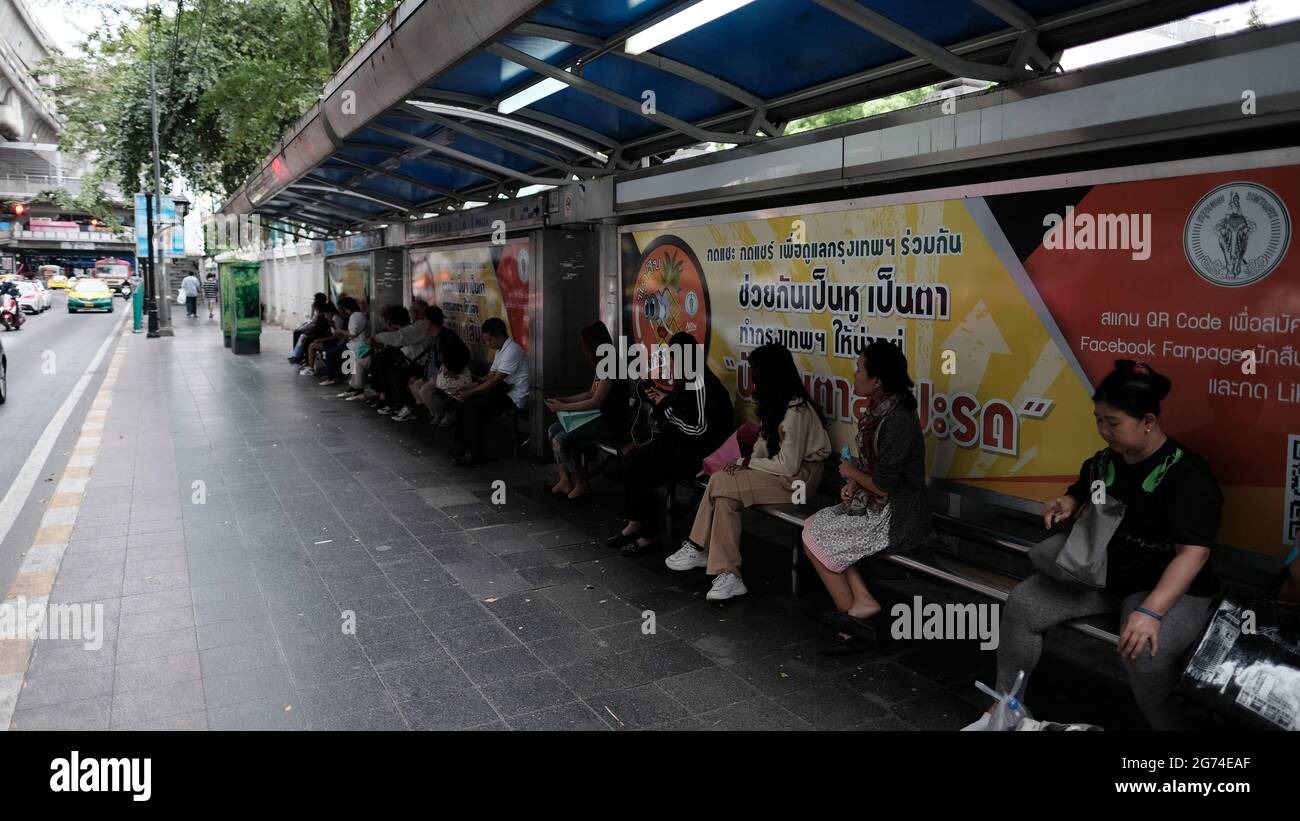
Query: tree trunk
x,y
340,32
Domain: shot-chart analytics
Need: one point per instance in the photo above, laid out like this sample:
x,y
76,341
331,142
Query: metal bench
x,y
943,567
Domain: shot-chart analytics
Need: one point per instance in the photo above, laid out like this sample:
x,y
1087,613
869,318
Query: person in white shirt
x,y
191,287
504,390
352,339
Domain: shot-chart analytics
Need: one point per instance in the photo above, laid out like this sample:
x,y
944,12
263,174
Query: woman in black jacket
x,y
693,420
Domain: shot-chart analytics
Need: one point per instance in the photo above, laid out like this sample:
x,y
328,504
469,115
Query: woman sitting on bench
x,y
882,505
1159,578
693,421
791,446
606,396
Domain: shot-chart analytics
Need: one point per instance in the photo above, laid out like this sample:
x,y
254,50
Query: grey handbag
x,y
1079,557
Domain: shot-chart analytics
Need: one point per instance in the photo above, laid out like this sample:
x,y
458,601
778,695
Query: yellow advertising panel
x,y
1009,309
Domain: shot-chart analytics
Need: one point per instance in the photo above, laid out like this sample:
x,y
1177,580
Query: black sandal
x,y
620,539
863,629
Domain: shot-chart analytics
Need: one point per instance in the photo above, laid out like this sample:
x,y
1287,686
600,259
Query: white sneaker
x,y
385,410
979,725
687,558
1030,725
305,372
726,586
404,415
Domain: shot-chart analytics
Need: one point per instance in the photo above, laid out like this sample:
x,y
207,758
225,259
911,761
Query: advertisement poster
x,y
350,276
472,283
247,299
1010,309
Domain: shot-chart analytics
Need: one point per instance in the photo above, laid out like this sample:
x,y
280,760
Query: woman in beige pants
x,y
790,447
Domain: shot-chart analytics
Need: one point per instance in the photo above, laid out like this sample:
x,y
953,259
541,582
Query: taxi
x,y
90,294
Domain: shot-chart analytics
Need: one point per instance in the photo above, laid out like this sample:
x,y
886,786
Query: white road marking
x,y
21,488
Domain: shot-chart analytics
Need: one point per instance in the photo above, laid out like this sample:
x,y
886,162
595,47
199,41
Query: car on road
x,y
30,298
47,296
90,294
58,281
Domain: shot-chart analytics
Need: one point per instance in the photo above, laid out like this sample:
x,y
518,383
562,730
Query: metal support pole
x,y
164,309
150,284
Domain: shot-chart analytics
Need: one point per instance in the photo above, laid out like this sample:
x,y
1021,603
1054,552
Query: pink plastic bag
x,y
720,458
730,450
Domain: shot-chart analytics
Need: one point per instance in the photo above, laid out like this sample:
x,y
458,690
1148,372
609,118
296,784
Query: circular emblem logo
x,y
1237,234
669,293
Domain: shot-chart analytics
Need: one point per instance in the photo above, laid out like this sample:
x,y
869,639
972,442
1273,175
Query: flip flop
x,y
862,629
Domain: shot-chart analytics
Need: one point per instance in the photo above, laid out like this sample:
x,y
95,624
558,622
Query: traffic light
x,y
19,209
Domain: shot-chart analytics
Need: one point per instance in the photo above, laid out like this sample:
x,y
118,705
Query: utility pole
x,y
150,286
163,311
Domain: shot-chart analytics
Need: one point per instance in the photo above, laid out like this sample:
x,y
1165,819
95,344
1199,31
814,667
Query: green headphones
x,y
1154,478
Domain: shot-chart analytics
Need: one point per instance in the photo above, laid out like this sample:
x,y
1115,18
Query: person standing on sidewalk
x,y
190,286
210,292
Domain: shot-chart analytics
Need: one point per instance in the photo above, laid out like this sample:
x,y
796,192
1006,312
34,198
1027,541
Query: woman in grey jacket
x,y
882,505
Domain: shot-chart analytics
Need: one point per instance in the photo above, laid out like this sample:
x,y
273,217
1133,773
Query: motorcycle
x,y
11,315
125,292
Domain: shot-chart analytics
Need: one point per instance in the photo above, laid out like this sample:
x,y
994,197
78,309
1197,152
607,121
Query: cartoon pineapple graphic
x,y
672,279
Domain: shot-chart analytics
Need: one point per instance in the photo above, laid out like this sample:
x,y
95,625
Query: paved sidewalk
x,y
238,520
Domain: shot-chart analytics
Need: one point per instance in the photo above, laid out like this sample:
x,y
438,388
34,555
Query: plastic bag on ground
x,y
1010,710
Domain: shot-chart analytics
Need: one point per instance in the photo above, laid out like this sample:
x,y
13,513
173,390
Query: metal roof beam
x,y
317,222
420,150
614,98
513,124
365,146
571,129
1009,13
325,206
347,189
395,175
284,223
686,72
507,145
461,158
879,73
908,40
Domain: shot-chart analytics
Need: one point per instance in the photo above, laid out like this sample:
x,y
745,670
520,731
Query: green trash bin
x,y
247,299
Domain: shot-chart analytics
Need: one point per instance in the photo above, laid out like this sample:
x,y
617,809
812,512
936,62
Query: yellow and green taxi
x,y
90,293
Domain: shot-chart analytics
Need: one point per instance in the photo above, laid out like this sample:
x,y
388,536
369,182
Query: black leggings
x,y
648,468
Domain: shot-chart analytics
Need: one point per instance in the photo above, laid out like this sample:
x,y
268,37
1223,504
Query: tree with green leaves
x,y
232,76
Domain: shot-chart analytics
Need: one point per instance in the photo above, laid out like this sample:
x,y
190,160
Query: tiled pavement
x,y
239,519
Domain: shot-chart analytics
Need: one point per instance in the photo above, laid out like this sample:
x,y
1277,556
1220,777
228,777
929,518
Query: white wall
x,y
290,275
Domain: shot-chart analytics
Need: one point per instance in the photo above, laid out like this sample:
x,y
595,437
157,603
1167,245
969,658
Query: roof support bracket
x,y
613,98
908,40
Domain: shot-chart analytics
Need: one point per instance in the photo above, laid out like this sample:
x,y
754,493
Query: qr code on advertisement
x,y
1291,511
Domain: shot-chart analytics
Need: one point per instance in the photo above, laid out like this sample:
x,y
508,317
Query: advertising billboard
x,y
1010,308
349,276
473,282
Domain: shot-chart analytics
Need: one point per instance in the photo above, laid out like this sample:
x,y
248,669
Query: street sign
x,y
141,228
167,216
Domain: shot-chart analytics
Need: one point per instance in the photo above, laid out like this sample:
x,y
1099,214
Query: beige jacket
x,y
803,439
